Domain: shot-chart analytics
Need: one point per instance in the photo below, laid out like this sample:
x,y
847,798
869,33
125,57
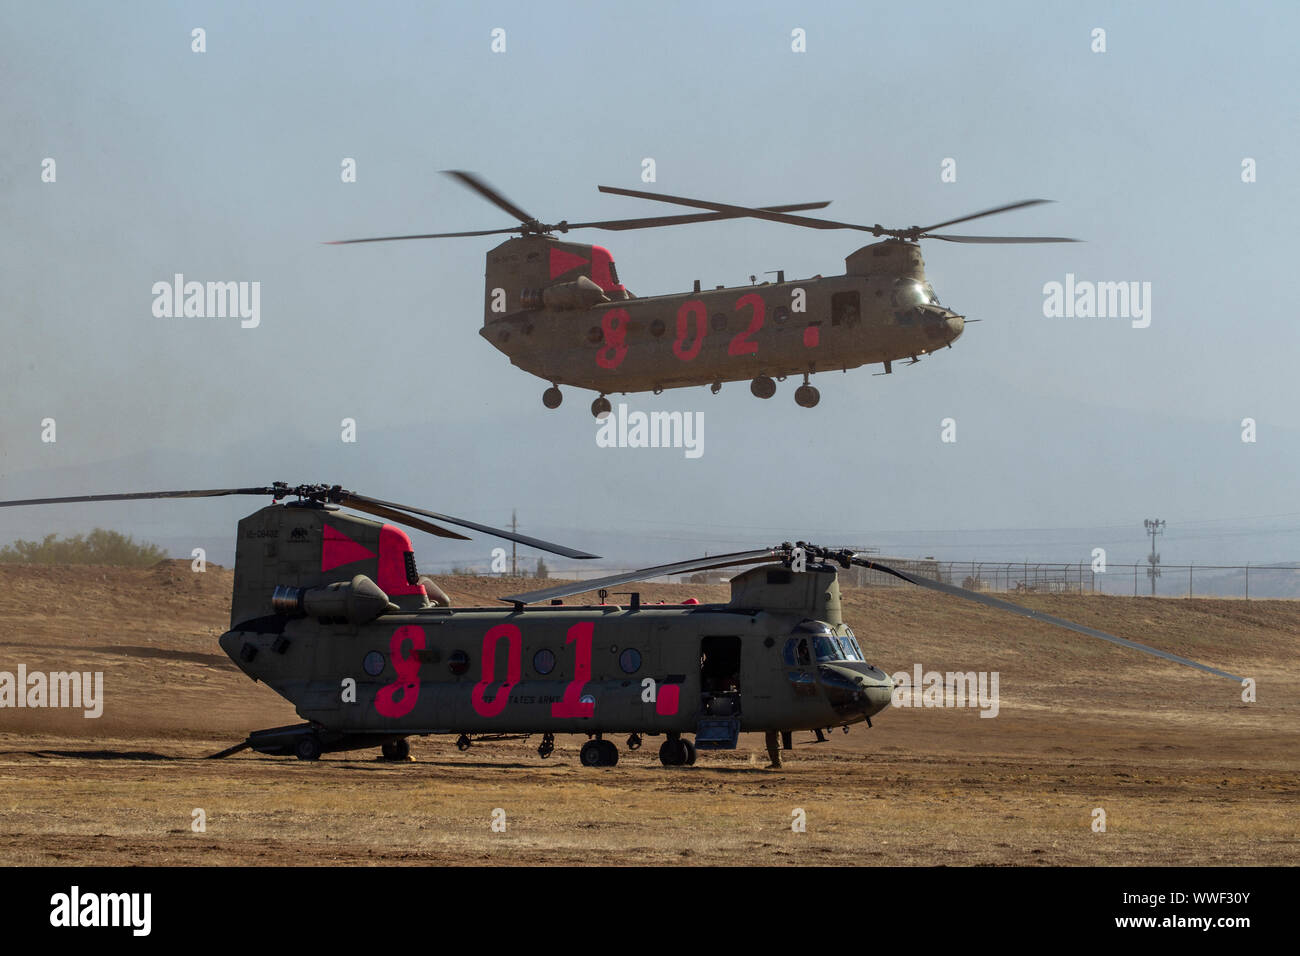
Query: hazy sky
x,y
225,165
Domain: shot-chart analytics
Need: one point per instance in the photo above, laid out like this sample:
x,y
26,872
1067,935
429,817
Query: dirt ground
x,y
1184,771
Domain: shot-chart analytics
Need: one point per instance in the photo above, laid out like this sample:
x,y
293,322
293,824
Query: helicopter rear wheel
x,y
676,753
396,750
552,397
547,746
807,396
307,748
601,407
634,742
598,753
715,387
463,743
671,753
762,387
608,753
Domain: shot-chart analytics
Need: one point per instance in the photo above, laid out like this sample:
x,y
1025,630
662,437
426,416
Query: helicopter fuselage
x,y
881,310
603,669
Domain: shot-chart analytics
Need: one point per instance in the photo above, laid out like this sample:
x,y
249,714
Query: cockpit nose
x,y
941,325
956,324
856,689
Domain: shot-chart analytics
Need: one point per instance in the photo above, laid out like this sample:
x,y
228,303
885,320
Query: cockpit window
x,y
850,644
828,648
796,652
909,293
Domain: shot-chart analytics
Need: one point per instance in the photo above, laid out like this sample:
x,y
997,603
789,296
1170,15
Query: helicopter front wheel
x,y
807,396
552,397
601,407
308,748
762,387
396,750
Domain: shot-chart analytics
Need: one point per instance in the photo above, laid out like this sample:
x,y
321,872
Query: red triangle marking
x,y
562,262
339,549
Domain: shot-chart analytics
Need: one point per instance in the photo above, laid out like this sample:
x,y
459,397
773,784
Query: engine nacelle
x,y
358,601
581,293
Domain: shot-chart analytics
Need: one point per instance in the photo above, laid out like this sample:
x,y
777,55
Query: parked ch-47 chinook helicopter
x,y
329,612
558,310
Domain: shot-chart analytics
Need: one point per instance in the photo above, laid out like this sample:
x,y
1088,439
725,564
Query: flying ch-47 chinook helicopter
x,y
558,310
329,612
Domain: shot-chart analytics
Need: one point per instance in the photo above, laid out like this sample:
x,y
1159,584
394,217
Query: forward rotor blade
x,y
431,235
490,194
753,212
354,500
1036,616
655,221
644,574
142,496
989,212
998,239
613,224
400,517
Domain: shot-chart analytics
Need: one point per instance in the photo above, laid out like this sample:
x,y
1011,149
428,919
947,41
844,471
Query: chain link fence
x,y
1174,580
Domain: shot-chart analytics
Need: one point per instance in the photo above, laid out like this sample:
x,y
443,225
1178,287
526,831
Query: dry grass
x,y
1186,773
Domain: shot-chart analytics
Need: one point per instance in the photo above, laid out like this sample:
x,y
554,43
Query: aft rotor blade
x,y
655,221
430,235
1036,616
997,239
488,193
143,495
400,517
644,574
353,500
988,212
750,211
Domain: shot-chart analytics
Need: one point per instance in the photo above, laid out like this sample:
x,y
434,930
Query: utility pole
x,y
514,547
1154,527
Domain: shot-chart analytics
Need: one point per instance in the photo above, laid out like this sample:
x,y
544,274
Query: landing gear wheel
x,y
396,750
552,397
591,753
601,407
608,753
634,742
671,753
762,387
807,396
307,748
690,753
547,746
462,743
715,387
